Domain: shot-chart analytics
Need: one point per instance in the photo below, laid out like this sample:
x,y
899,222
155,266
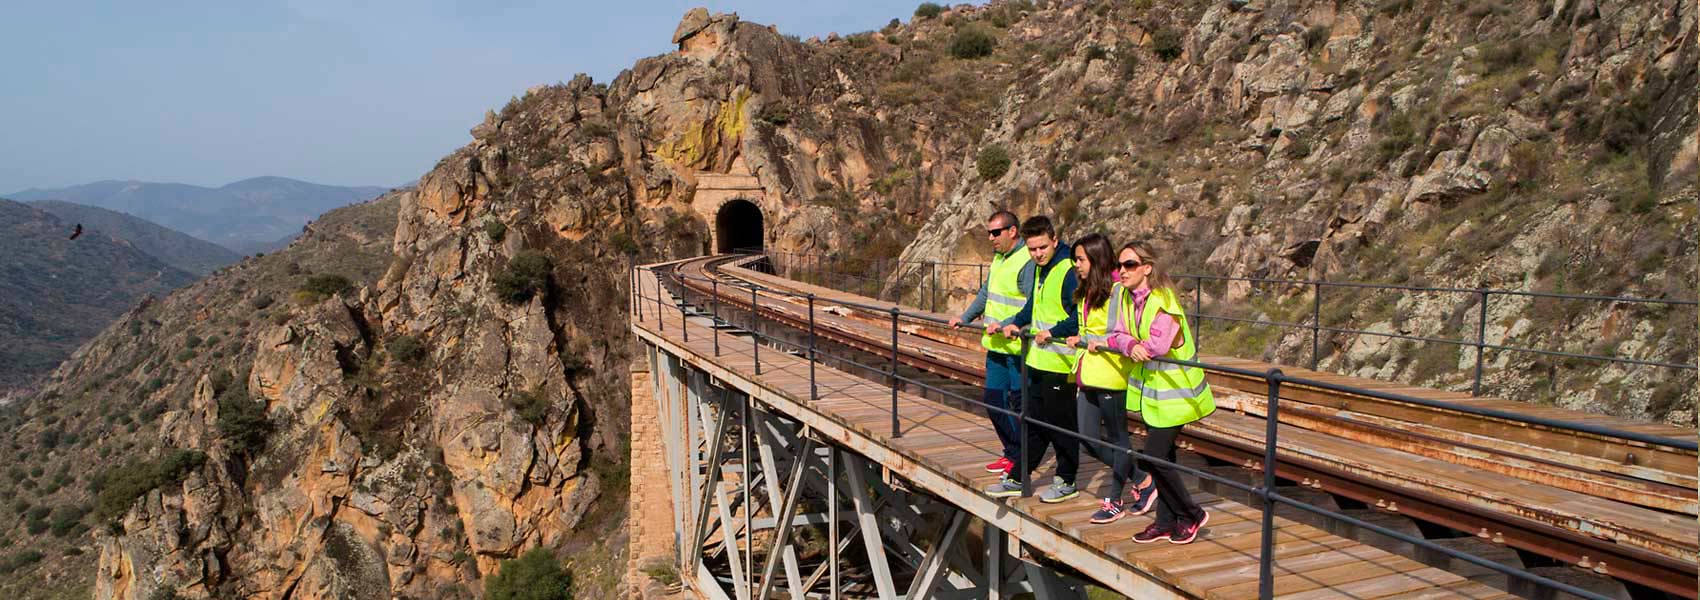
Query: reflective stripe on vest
x,y
1048,310
1103,370
1004,298
1167,394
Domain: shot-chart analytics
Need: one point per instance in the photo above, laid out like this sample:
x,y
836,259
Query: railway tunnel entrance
x,y
738,226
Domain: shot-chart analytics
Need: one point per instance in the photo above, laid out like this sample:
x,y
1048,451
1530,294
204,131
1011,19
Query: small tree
x,y
972,42
534,576
327,284
928,10
1166,43
525,275
993,162
406,349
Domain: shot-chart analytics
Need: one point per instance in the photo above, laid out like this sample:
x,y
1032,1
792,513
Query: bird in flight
x,y
77,232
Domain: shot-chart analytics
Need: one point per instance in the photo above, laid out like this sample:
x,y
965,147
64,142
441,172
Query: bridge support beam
x,y
793,514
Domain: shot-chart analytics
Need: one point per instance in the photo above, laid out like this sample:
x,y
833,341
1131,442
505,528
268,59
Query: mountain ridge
x,y
244,216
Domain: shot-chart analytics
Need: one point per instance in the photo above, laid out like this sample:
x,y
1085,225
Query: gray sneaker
x,y
1059,491
1004,488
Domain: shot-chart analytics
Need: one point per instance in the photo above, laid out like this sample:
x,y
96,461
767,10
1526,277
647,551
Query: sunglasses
x,y
1131,264
998,231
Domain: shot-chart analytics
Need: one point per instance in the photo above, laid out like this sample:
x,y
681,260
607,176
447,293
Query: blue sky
x,y
338,92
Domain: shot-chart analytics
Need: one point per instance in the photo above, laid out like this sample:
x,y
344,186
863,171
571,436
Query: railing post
x,y
714,310
1021,425
1315,323
684,325
658,320
814,390
755,329
933,297
1481,342
1198,312
1266,560
896,432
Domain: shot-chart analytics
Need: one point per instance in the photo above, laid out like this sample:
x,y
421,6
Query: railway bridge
x,y
822,444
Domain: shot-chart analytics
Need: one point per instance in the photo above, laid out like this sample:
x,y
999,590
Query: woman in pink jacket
x,y
1142,335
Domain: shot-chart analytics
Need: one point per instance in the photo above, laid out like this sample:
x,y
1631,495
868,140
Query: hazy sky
x,y
331,91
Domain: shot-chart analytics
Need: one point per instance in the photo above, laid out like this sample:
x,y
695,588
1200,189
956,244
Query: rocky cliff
x,y
401,437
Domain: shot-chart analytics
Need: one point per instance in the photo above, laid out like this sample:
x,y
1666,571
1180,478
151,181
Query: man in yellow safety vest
x,y
1008,284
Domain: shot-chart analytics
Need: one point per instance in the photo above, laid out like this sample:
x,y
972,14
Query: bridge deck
x,y
941,449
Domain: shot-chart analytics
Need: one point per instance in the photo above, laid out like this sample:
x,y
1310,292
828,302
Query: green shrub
x,y
1315,37
327,284
406,349
525,275
495,230
536,575
1096,52
120,486
19,560
66,520
242,422
928,10
993,162
262,301
972,42
532,406
1166,44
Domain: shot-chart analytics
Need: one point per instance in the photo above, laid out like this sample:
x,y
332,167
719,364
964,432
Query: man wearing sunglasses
x,y
1002,295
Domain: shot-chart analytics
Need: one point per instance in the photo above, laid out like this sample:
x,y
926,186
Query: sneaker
x,y
1186,532
1109,511
1059,491
1154,533
1004,488
1143,500
1001,465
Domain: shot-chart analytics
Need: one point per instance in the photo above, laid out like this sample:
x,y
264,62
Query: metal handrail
x,y
1266,492
1316,328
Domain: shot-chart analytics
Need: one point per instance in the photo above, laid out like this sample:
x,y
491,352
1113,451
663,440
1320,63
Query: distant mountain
x,y
175,248
56,293
245,216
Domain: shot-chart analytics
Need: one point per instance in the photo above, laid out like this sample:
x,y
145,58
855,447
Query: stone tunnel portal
x,y
738,226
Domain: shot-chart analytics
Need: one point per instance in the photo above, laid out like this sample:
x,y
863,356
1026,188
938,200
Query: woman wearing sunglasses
x,y
1167,395
1102,377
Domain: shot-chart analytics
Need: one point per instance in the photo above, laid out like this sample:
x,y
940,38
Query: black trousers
x,y
1103,416
1174,503
1050,401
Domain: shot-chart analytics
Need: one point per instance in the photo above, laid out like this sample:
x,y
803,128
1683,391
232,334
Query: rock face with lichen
x,y
466,399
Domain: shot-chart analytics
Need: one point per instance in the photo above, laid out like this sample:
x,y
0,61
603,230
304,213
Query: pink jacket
x,y
1163,330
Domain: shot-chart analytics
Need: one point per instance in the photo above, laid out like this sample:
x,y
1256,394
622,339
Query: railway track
x,y
1617,507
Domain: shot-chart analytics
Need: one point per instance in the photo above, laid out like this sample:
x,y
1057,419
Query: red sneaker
x,y
1154,533
1000,465
1186,532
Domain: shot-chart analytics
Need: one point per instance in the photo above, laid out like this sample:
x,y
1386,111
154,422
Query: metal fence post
x,y
933,295
714,309
1266,560
896,432
1021,425
1198,311
1315,323
755,330
658,320
1481,342
684,325
814,390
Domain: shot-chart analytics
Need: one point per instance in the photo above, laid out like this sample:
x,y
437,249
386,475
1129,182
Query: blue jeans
x,y
1003,390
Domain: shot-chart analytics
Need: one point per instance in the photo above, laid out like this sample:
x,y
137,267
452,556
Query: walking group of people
x,y
1124,308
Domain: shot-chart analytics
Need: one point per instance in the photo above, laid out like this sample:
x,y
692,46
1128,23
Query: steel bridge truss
x,y
764,507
